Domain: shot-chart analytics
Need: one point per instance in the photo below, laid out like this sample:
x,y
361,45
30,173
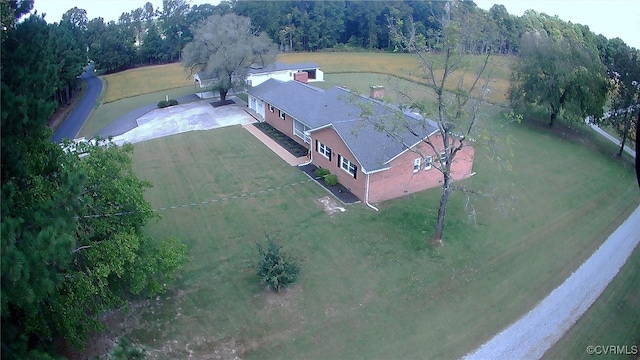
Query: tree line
x,y
72,216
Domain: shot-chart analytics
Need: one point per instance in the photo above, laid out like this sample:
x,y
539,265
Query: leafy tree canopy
x,y
560,74
224,48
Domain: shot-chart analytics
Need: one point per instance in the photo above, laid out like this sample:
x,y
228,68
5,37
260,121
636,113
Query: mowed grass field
x,y
371,286
405,66
144,80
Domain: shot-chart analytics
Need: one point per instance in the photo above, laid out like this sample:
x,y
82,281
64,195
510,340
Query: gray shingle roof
x,y
342,110
280,66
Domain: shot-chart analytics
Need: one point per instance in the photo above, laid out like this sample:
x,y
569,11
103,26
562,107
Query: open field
x,y
405,66
371,287
144,80
150,79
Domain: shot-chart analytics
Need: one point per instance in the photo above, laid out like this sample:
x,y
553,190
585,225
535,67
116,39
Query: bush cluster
x,y
276,268
329,178
165,103
321,172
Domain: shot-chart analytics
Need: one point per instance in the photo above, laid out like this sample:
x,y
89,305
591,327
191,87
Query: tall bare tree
x,y
458,83
224,48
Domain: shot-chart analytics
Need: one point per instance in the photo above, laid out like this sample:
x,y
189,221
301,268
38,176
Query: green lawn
x,y
370,287
143,80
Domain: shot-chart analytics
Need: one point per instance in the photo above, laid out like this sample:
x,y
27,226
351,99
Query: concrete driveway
x,y
199,115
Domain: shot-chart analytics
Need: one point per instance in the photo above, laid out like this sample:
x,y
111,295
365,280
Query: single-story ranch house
x,y
372,165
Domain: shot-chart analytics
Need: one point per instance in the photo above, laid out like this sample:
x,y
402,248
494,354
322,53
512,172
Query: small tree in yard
x,y
277,268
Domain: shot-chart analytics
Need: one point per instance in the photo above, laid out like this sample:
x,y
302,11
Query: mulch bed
x,y
216,104
338,190
283,140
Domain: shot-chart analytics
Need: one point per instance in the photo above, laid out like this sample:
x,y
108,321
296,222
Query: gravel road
x,y
533,334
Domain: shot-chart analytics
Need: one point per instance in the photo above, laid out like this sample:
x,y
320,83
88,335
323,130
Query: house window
x,y
416,165
270,107
323,149
427,162
281,114
347,166
443,158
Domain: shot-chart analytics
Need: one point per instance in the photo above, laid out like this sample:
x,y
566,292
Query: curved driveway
x,y
72,124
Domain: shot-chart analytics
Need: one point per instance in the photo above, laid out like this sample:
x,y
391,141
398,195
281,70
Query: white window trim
x,y
348,164
428,160
443,159
324,150
281,114
416,165
271,108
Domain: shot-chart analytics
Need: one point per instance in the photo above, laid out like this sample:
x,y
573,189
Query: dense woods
x,y
62,266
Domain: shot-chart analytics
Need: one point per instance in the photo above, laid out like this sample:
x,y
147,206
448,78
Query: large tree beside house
x,y
457,96
224,49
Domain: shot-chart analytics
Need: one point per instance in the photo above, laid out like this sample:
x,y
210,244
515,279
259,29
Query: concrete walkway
x,y
274,146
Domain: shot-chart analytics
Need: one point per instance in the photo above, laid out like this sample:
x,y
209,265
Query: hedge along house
x,y
374,165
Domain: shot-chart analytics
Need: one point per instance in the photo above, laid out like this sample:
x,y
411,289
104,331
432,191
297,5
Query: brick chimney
x,y
376,92
301,76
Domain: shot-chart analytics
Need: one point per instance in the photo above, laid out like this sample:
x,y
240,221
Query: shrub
x,y
331,179
276,268
321,172
165,103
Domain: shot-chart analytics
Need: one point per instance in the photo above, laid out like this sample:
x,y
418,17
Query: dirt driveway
x,y
199,115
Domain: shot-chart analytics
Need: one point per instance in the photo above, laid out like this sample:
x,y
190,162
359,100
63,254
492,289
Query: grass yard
x,y
144,80
370,286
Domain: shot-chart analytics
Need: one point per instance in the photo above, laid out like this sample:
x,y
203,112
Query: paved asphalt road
x,y
71,126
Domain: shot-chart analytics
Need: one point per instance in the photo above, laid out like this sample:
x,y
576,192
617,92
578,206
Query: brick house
x,y
371,164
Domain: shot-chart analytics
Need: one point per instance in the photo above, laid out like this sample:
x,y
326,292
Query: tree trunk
x,y
223,94
442,208
624,133
552,118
